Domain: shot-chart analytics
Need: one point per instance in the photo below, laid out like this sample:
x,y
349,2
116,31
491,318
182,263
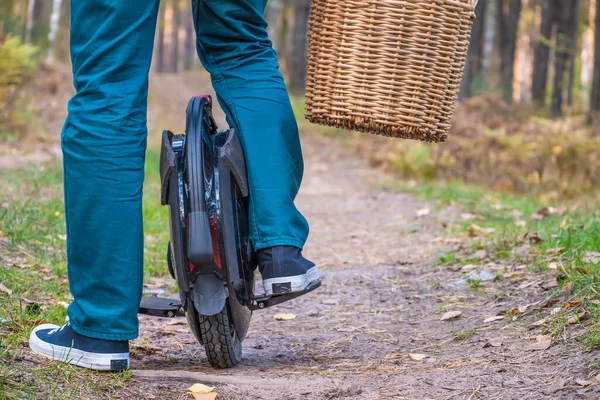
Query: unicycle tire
x,y
216,333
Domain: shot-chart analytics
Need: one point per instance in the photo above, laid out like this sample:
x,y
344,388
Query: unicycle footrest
x,y
161,307
262,302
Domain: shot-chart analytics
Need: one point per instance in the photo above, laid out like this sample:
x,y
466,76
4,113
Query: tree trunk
x,y
566,17
541,54
298,52
174,58
574,48
595,98
274,17
508,22
189,52
6,17
54,25
474,65
160,39
29,22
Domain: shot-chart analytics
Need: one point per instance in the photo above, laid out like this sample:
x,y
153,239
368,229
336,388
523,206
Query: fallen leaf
x,y
542,342
591,257
573,319
492,319
493,343
450,315
583,382
522,251
417,357
569,286
200,388
535,239
481,254
571,304
540,322
5,289
555,251
552,283
468,267
521,223
284,317
423,212
205,396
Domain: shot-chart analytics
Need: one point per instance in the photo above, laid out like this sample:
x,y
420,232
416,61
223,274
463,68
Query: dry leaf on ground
x,y
493,343
202,392
542,342
423,212
591,257
451,315
492,319
204,396
284,317
476,230
201,388
417,357
5,289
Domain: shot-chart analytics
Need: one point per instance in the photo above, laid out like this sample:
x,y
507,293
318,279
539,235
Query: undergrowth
x,y
33,271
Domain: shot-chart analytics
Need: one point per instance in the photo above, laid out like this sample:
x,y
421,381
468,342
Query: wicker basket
x,y
387,67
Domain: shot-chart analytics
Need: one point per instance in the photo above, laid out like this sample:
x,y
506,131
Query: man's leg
x,y
104,141
234,47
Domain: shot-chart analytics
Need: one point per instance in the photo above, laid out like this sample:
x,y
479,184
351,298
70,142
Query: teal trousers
x,y
104,142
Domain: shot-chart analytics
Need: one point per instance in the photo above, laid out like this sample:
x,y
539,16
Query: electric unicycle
x,y
204,184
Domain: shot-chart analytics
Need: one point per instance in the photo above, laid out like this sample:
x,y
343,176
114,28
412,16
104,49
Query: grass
x,y
33,266
462,335
565,236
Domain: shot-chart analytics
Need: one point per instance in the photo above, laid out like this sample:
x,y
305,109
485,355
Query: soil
x,y
383,297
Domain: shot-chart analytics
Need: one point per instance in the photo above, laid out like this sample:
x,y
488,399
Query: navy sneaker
x,y
62,343
284,270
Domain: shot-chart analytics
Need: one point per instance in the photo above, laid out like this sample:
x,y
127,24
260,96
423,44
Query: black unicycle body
x,y
205,186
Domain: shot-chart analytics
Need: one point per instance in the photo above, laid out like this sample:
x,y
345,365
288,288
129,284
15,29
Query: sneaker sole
x,y
97,361
291,284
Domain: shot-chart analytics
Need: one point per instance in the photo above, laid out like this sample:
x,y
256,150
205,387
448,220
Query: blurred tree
x,y
54,25
474,65
189,52
175,25
541,55
508,14
296,64
595,98
274,16
41,23
29,20
160,39
566,28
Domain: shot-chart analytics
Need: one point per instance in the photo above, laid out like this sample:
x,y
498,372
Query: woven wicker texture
x,y
388,67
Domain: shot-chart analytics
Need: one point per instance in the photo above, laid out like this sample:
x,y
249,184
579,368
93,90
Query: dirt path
x,y
383,298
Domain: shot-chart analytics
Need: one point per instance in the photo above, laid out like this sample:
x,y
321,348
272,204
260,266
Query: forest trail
x,y
383,298
379,326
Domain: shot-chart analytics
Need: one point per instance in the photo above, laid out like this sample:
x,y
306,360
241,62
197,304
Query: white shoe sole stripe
x,y
298,282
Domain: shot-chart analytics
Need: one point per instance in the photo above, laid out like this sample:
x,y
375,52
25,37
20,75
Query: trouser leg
x,y
234,47
104,142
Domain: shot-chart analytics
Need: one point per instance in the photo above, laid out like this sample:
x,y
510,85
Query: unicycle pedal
x,y
260,302
161,307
